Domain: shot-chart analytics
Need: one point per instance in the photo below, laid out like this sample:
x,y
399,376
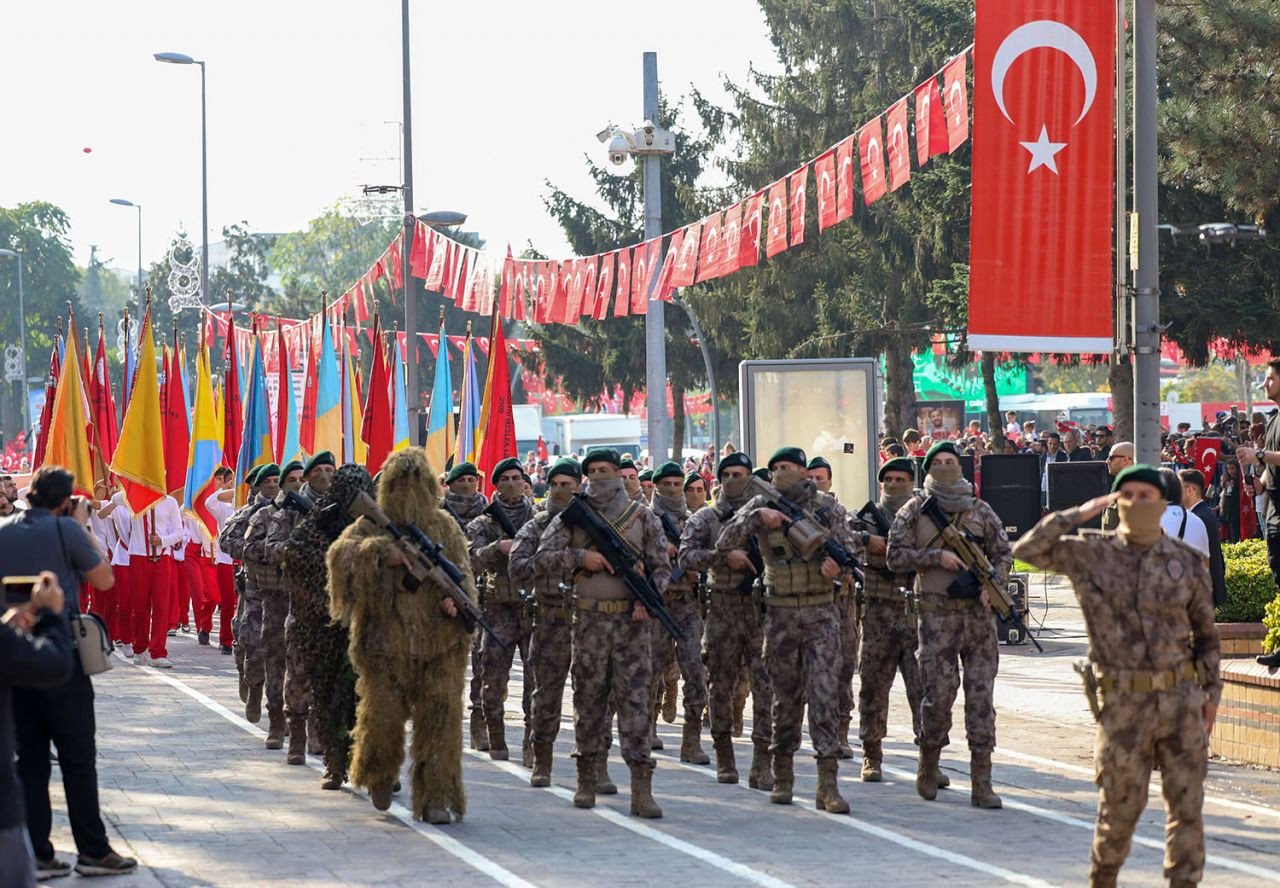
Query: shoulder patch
x,y
1175,568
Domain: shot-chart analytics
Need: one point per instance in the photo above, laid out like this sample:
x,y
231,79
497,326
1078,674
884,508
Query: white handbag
x,y
89,634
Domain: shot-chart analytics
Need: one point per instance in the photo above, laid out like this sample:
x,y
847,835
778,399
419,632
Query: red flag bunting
x,y
797,185
844,178
686,259
871,150
730,240
776,240
824,175
899,147
931,127
957,102
622,286
604,285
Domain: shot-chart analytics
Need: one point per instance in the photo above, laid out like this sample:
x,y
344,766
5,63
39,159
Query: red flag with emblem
x,y
644,261
824,175
669,262
776,240
931,127
956,101
871,151
709,254
797,187
752,224
622,286
899,147
845,163
686,259
604,285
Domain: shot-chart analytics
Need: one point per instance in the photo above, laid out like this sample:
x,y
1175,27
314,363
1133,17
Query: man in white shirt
x,y
120,614
152,536
1179,523
180,598
221,505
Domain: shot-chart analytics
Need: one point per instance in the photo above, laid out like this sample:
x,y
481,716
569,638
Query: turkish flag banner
x,y
797,184
589,287
1040,233
561,278
871,152
709,254
644,262
541,295
824,174
956,104
730,238
931,128
899,147
674,248
844,178
776,240
622,276
686,259
604,285
749,245
575,286
437,262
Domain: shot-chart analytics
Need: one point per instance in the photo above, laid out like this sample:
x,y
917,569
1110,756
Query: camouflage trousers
x,y
666,650
888,647
550,652
237,644
733,641
512,624
947,640
262,630
802,650
612,659
477,678
848,610
1136,732
297,680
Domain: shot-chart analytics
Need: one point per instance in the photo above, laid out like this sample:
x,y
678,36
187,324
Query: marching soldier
x,y
1153,661
956,623
734,630
801,624
695,492
681,599
464,501
264,485
611,639
231,541
550,646
491,537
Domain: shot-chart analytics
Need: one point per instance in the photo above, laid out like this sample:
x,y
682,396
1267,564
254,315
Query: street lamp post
x,y
655,327
22,344
412,396
177,58
121,202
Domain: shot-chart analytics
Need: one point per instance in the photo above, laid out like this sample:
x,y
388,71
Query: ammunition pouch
x,y
965,586
795,576
603,606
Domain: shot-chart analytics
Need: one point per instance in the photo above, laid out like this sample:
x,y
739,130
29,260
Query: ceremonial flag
x,y
899,149
328,411
353,417
375,428
71,424
177,440
139,459
232,415
957,103
749,247
776,241
219,412
931,128
498,422
469,416
185,380
307,421
824,174
102,403
206,451
844,177
50,394
287,443
255,443
399,401
797,185
871,150
1040,235
439,443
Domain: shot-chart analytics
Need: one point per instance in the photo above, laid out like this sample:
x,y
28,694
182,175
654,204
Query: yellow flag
x,y
139,457
70,424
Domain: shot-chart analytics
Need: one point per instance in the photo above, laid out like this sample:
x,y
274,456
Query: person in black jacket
x,y
1194,502
35,652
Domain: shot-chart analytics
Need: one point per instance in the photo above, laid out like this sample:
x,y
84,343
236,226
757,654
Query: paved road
x,y
189,789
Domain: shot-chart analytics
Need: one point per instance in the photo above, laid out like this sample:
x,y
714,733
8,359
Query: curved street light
x,y
178,58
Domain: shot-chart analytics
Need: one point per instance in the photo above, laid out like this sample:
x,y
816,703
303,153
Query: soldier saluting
x,y
1153,660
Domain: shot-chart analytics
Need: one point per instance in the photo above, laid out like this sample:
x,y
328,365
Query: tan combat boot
x,y
297,741
585,797
726,767
479,736
927,772
244,688
333,776
275,730
542,754
981,794
846,751
829,798
760,776
642,803
871,759
380,795
604,783
497,739
691,743
253,704
1100,877
784,779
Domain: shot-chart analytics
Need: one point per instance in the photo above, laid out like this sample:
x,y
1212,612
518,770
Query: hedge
x,y
1250,586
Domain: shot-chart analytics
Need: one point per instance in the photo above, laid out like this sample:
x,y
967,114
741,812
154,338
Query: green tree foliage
x,y
330,254
102,289
1211,383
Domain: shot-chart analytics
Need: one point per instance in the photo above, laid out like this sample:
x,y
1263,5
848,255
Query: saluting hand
x,y
1095,506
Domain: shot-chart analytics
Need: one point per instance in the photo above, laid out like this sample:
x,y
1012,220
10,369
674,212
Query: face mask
x,y
463,487
695,501
321,482
898,488
632,485
735,486
511,491
601,491
945,473
560,497
784,478
671,504
1140,522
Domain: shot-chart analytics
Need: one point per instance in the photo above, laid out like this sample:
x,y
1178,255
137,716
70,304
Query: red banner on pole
x,y
1040,248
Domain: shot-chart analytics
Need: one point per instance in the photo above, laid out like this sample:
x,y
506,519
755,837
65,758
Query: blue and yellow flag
x,y
206,446
328,396
255,444
400,417
467,449
440,419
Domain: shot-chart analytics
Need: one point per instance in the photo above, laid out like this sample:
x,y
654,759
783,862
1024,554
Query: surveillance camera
x,y
605,133
619,158
648,127
619,144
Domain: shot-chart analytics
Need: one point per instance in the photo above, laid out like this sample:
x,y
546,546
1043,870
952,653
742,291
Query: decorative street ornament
x,y
184,274
12,363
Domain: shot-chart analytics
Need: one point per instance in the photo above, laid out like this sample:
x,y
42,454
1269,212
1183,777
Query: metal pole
x,y
1146,280
204,199
655,330
139,251
413,397
22,351
711,373
1122,307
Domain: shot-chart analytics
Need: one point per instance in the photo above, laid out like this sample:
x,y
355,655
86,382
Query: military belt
x,y
503,595
1111,681
730,599
948,604
603,606
547,613
799,600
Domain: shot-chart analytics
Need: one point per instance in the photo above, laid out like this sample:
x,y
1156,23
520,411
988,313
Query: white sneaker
x,y
162,663
142,659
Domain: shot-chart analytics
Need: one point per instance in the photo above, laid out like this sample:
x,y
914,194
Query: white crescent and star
x,y
875,172
1045,34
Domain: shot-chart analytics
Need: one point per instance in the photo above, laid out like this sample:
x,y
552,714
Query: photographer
x,y
51,536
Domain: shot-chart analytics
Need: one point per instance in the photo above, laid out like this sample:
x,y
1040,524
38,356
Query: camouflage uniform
x,y
297,683
681,599
1148,611
612,655
248,609
505,611
801,635
468,509
952,632
732,643
264,649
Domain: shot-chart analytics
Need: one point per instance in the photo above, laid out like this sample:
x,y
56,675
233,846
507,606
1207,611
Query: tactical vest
x,y
785,572
933,581
604,586
722,577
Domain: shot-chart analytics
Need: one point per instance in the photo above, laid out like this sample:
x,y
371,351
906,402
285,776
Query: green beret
x,y
292,465
788,454
898,464
461,470
505,466
763,474
819,462
737,458
323,458
669,469
251,476
647,475
568,467
604,454
692,477
271,470
940,447
626,463
1140,472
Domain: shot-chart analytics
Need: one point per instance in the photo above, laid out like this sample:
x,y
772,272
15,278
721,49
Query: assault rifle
x,y
804,531
499,515
297,502
622,557
444,504
871,514
979,573
673,535
427,561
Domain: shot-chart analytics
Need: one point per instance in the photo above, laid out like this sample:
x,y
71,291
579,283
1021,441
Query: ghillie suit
x,y
323,642
409,656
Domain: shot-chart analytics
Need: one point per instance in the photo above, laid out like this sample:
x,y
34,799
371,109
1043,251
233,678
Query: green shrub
x,y
1272,622
1251,588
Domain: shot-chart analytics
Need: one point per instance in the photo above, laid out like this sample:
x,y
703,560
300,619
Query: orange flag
x,y
71,424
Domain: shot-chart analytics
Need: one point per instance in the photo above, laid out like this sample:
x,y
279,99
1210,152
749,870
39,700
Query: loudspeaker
x,y
966,469
1074,483
1007,633
1011,485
